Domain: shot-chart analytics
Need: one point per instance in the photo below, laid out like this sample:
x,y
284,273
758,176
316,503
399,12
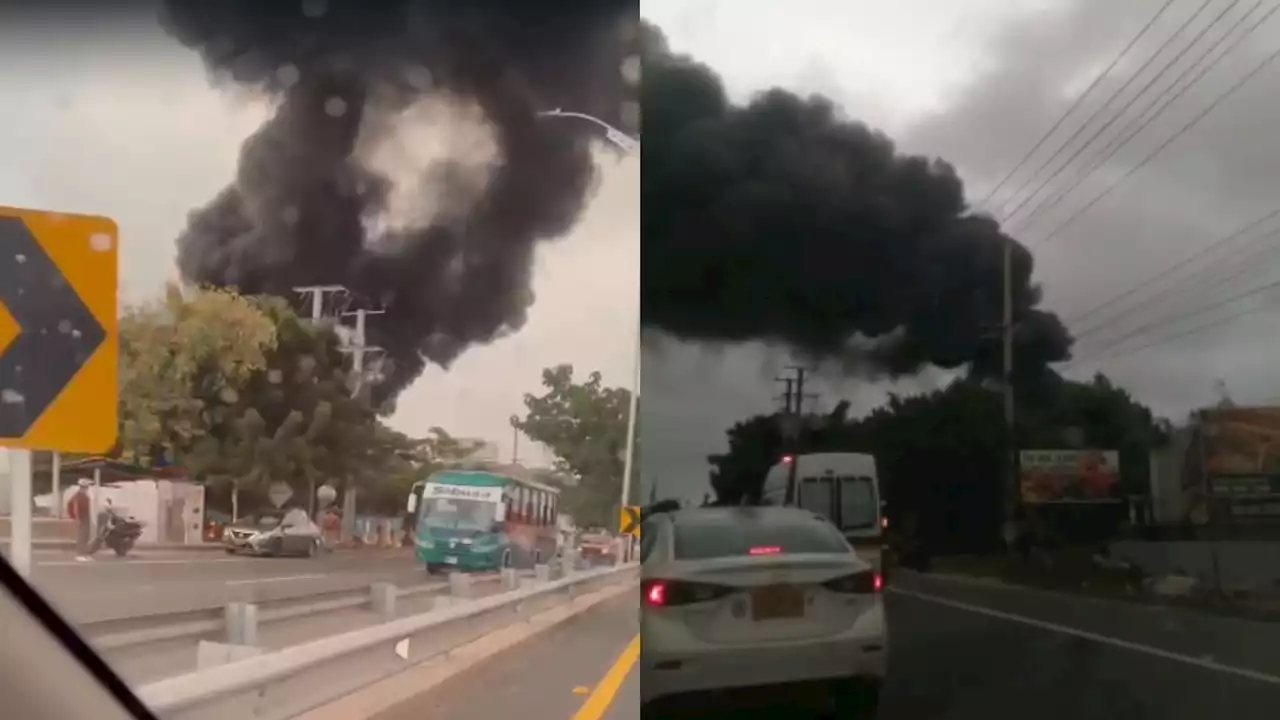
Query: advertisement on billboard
x,y
1068,476
1241,458
1241,441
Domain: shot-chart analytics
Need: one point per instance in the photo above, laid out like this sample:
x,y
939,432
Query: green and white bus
x,y
478,520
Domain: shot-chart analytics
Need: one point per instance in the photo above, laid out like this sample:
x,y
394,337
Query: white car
x,y
749,603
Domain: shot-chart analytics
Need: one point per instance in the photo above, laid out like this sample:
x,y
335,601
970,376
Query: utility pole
x,y
793,424
358,347
316,294
1011,450
788,394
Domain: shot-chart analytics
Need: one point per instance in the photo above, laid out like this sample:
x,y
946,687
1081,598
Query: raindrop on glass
x,y
314,8
335,107
290,214
631,70
419,78
100,242
275,377
288,75
11,397
64,326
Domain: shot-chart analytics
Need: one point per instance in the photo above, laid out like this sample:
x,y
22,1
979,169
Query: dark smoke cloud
x,y
298,210
782,220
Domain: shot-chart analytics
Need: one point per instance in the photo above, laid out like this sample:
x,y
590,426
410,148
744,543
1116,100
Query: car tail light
x,y
765,550
673,593
863,583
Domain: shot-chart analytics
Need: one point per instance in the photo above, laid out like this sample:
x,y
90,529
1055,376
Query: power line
x,y
1102,352
1104,106
1181,131
1076,104
1167,272
1127,131
1166,339
1240,271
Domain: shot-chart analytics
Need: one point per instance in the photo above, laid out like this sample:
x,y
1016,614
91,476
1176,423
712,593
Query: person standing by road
x,y
79,510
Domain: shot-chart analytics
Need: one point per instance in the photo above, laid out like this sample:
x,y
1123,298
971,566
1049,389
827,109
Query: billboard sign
x,y
1241,442
1068,476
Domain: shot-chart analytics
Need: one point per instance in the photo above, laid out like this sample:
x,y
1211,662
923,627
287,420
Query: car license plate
x,y
777,602
451,560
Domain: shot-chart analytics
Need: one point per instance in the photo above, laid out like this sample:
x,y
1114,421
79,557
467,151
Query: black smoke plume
x,y
781,220
303,208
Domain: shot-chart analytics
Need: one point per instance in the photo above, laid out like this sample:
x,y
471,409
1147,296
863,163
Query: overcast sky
x,y
120,120
978,82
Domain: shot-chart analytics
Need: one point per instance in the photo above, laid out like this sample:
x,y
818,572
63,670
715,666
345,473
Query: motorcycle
x,y
118,532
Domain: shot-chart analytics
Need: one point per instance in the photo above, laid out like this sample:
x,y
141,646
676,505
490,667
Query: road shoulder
x,y
528,669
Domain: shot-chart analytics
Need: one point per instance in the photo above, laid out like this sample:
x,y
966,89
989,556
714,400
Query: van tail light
x,y
863,583
674,593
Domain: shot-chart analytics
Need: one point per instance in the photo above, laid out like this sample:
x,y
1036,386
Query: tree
x,y
940,454
585,427
184,361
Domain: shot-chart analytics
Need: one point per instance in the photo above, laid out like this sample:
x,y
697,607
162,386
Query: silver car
x,y
274,533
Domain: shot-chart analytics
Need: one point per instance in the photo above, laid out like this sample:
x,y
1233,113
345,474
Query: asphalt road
x,y
959,651
575,670
968,651
155,582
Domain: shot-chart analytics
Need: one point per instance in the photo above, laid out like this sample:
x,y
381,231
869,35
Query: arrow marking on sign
x,y
633,521
57,333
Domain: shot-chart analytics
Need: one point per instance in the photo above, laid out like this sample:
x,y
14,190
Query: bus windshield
x,y
453,513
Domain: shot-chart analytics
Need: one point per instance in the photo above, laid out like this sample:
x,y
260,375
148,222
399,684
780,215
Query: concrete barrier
x,y
285,683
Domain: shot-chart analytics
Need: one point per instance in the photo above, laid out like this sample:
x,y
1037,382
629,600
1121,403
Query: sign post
x,y
58,346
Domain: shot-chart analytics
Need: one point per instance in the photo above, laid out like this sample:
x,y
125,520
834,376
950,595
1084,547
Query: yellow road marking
x,y
607,688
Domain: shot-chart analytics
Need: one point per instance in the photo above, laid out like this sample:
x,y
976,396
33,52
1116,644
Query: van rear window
x,y
704,540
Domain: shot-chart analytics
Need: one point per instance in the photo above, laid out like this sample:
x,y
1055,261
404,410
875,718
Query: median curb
x,y
386,695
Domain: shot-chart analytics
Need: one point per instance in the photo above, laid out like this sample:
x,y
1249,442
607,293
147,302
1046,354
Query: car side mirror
x,y
496,526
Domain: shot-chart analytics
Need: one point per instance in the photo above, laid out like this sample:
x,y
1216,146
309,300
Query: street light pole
x,y
631,146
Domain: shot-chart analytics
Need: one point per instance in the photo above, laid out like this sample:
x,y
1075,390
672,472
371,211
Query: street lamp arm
x,y
616,136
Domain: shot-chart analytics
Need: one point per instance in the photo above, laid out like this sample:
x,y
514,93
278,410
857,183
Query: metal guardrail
x,y
286,682
214,619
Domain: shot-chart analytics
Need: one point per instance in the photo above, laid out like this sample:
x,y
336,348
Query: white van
x,y
842,487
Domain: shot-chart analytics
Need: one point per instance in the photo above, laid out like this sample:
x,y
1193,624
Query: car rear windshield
x,y
704,539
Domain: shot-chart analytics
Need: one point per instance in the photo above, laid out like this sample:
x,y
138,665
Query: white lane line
x,y
1206,663
285,578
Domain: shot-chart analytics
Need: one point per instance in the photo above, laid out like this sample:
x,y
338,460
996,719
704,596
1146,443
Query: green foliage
x,y
940,454
584,424
243,393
